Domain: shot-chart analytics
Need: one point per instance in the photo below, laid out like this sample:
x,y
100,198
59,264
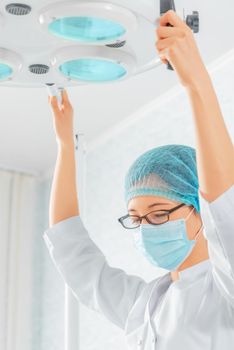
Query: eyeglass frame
x,y
145,217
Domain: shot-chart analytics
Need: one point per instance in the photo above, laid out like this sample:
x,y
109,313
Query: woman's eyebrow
x,y
152,205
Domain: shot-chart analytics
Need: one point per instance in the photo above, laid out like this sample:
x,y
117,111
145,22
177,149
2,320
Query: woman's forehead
x,y
149,200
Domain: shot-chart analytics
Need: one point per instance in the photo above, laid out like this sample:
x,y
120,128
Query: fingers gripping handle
x,y
166,5
53,90
169,66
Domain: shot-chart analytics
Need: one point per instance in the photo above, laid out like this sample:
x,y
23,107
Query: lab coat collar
x,y
194,272
142,311
186,276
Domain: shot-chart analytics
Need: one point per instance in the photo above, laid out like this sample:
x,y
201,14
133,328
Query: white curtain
x,y
37,311
17,219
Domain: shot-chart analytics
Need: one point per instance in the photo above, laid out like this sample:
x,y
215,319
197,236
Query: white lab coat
x,y
194,312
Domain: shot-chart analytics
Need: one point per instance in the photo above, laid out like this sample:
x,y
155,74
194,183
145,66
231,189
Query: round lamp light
x,y
86,29
88,22
5,71
10,64
90,69
94,64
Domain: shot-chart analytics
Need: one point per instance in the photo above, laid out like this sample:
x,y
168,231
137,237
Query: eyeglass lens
x,y
158,217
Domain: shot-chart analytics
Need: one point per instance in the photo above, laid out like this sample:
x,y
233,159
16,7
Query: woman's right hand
x,y
63,119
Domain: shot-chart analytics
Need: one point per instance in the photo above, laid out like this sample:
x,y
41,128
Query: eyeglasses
x,y
156,217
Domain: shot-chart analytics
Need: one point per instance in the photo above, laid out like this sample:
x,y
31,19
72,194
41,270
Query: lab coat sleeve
x,y
218,220
83,267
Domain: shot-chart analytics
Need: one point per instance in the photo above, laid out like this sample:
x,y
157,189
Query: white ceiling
x,y
26,128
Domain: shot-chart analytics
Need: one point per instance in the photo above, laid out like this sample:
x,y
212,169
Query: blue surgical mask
x,y
166,245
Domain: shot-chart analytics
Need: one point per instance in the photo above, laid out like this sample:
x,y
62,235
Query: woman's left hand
x,y
178,46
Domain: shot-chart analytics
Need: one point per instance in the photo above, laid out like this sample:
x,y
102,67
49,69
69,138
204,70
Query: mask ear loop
x,y
200,227
189,214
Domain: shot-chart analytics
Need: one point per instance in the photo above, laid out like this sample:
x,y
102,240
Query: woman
x,y
192,305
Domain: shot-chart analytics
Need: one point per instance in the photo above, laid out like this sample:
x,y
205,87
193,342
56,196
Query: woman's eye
x,y
158,217
158,214
134,221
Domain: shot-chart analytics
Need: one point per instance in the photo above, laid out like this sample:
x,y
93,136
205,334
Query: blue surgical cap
x,y
168,171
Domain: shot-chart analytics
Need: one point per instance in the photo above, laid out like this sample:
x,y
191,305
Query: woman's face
x,y
143,205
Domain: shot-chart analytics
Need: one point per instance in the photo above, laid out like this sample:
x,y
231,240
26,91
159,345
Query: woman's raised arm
x,y
215,152
63,198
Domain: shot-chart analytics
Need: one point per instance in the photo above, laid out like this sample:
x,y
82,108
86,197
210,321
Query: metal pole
x,y
72,334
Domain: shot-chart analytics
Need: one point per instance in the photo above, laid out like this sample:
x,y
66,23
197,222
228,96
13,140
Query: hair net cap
x,y
168,171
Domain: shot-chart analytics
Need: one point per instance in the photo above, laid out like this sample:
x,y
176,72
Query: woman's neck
x,y
198,254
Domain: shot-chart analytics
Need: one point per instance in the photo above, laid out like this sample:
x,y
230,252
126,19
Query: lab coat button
x,y
139,342
154,340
